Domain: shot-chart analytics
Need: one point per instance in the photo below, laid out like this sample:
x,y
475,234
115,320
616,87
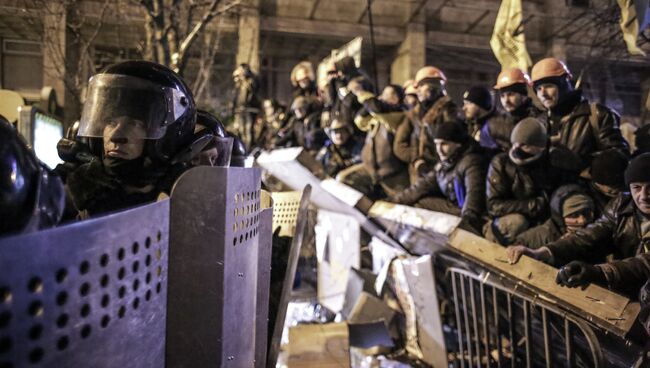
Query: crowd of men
x,y
548,175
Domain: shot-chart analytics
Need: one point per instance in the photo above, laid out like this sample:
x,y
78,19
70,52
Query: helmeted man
x,y
584,128
216,152
456,185
342,150
410,94
520,183
344,104
31,197
139,117
414,137
303,80
623,231
267,128
512,89
245,104
304,128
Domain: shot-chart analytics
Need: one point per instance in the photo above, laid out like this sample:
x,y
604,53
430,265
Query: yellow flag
x,y
630,26
508,41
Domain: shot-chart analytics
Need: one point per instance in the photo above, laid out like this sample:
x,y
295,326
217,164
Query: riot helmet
x,y
31,197
140,100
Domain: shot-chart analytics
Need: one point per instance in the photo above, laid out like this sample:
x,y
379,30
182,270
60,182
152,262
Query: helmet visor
x,y
128,106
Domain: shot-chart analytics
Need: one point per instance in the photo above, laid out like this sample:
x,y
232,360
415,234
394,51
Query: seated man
x,y
607,178
342,150
622,231
303,129
381,173
140,119
519,183
479,109
571,209
457,183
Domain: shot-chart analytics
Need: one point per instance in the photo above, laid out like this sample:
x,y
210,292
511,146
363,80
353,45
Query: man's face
x,y
300,112
511,100
340,136
578,220
426,92
411,100
123,138
389,96
471,110
641,195
548,94
304,83
206,158
269,111
445,148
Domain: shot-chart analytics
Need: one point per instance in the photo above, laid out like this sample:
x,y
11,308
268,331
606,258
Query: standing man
x,y
245,104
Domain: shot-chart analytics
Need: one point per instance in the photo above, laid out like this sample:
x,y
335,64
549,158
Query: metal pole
x,y
372,43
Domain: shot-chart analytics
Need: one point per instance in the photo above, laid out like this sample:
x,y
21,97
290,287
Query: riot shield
x,y
92,293
289,213
263,281
215,232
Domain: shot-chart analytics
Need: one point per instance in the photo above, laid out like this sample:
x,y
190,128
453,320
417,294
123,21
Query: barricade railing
x,y
500,326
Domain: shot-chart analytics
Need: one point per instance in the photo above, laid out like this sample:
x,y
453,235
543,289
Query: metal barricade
x,y
498,325
92,293
290,213
214,249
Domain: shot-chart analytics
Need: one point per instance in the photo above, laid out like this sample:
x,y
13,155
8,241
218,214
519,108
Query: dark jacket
x,y
460,180
336,158
616,232
481,130
414,138
628,275
379,120
570,126
306,133
500,126
553,228
523,189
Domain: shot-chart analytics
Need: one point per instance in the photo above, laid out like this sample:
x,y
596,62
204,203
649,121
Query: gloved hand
x,y
577,273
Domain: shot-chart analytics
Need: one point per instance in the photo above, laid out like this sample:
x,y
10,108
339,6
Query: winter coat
x,y
379,121
460,180
523,189
306,133
414,138
583,134
500,126
616,232
553,228
336,158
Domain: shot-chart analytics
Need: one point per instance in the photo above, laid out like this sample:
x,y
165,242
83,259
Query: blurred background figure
x,y
245,104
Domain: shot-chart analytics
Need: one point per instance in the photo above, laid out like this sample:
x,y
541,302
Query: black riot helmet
x,y
31,198
211,122
239,155
158,103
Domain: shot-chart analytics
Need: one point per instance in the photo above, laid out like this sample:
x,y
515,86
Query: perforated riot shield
x,y
215,221
291,215
263,281
92,293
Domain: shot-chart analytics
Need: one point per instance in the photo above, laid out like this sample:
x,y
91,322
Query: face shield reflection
x,y
125,106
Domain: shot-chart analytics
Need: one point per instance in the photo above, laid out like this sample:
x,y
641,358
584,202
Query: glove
x,y
581,274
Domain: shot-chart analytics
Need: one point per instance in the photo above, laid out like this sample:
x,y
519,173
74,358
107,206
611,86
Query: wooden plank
x,y
608,309
317,345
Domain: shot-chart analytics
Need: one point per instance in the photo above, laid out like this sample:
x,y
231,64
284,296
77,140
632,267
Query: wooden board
x,y
595,303
317,345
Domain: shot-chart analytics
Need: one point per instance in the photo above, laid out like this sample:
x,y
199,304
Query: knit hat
x,y
451,131
577,203
480,96
638,171
608,168
531,132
